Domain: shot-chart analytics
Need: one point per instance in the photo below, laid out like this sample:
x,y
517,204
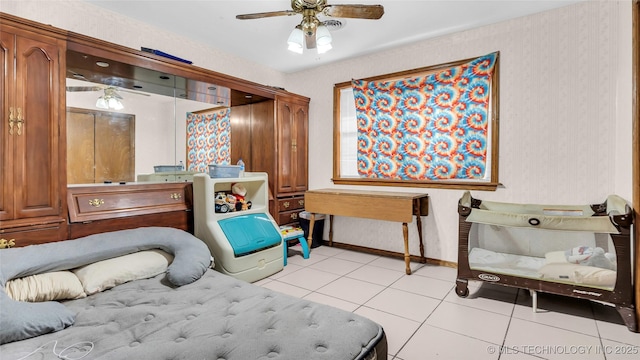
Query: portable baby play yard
x,y
580,251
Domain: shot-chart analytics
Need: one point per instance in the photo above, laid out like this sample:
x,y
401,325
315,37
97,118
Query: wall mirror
x,y
127,123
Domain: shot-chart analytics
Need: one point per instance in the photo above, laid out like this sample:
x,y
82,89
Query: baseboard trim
x,y
414,258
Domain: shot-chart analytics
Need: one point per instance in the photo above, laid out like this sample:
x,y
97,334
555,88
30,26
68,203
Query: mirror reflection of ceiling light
x,y
110,100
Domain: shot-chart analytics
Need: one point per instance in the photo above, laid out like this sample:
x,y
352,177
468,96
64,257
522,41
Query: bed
x,y
581,251
153,295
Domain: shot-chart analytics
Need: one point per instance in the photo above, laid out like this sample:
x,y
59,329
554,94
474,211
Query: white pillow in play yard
x,y
105,274
579,274
56,285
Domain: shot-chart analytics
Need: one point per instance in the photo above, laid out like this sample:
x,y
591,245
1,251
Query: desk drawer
x,y
105,202
292,203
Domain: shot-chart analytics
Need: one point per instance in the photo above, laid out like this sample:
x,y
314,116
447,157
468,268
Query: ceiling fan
x,y
315,32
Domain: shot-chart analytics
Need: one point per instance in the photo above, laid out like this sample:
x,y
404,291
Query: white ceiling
x,y
264,40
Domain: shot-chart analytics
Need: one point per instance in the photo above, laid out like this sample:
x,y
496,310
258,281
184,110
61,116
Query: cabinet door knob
x,y
286,204
301,202
12,120
5,244
96,202
294,216
20,121
176,196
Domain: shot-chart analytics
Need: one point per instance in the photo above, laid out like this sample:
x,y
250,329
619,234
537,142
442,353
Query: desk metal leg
x,y
407,257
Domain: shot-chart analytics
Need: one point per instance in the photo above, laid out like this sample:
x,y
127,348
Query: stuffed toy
x,y
590,256
240,193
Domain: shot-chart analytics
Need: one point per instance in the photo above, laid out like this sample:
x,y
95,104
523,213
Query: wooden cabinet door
x,y
36,153
32,182
292,147
300,153
100,146
7,46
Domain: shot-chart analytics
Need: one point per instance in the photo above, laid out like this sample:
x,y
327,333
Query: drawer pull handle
x,y
286,204
96,202
301,202
176,196
5,244
294,216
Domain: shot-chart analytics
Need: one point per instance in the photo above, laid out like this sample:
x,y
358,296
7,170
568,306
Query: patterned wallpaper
x,y
565,115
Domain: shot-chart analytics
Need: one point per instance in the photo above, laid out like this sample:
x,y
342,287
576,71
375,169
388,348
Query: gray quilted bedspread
x,y
216,317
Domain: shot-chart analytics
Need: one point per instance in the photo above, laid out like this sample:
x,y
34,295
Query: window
x,y
455,144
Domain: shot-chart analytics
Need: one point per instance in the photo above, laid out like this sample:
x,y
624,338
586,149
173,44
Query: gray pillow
x,y
22,320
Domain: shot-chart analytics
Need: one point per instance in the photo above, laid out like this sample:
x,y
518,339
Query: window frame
x,y
490,184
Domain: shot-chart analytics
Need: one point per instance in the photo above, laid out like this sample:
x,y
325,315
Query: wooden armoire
x,y
37,206
32,160
272,136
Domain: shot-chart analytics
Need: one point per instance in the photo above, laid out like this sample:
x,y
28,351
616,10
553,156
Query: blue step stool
x,y
290,234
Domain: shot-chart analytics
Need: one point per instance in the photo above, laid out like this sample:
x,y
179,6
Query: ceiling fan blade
x,y
83,88
266,14
354,11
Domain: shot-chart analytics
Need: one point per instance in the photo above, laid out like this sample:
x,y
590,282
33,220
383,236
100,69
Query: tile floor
x,y
424,318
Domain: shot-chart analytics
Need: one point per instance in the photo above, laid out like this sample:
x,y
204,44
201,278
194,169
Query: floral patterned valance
x,y
433,127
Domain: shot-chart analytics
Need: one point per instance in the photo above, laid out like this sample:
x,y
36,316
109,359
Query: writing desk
x,y
377,205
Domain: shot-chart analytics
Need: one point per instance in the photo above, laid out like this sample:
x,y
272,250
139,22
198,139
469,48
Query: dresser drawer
x,y
292,203
113,201
289,217
32,235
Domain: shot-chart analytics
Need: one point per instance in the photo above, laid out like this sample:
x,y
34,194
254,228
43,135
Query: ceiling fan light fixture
x,y
102,103
295,41
323,36
110,100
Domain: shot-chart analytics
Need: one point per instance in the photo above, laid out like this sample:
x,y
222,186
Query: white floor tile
x,y
360,257
327,251
376,275
618,351
483,325
425,286
551,342
299,260
611,326
290,268
425,319
393,263
332,301
558,311
336,266
438,272
286,289
486,297
307,278
353,290
408,305
397,329
433,343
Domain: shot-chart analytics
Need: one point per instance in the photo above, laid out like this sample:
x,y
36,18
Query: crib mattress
x,y
216,317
